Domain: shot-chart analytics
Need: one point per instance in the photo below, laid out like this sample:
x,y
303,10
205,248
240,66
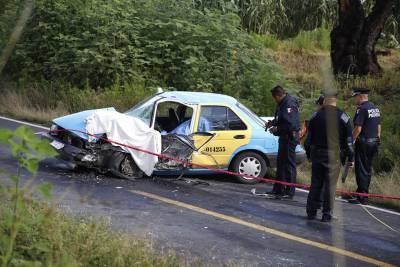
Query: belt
x,y
368,140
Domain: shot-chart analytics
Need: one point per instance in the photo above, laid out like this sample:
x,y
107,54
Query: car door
x,y
231,132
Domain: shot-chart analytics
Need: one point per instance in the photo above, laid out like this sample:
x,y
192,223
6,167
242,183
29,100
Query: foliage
x,y
317,39
28,151
96,44
8,12
284,18
34,234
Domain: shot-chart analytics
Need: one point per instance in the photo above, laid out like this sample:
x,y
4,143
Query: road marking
x,y
263,229
23,122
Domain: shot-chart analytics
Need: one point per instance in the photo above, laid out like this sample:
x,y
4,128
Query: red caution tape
x,y
305,186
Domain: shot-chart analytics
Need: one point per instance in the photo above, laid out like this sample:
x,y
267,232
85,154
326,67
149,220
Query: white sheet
x,y
130,131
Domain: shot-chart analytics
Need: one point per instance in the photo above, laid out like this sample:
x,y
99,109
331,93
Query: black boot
x,y
326,217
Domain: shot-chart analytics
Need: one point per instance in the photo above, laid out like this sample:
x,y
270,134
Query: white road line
x,y
298,189
23,122
367,206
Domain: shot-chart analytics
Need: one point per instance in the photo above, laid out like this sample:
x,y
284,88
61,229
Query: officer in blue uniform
x,y
329,142
366,133
286,125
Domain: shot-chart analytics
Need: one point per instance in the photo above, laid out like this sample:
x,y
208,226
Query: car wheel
x,y
128,169
249,163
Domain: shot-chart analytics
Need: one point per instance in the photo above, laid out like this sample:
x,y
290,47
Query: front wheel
x,y
125,167
249,163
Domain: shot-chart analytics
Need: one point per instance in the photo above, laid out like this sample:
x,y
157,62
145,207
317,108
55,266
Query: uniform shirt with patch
x,y
287,116
368,117
319,137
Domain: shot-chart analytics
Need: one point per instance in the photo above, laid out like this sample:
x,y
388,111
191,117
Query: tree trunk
x,y
353,40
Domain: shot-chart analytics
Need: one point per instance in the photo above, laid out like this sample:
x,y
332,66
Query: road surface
x,y
221,223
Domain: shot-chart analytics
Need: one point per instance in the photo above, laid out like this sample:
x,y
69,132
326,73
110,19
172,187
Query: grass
x,y
63,241
42,102
312,41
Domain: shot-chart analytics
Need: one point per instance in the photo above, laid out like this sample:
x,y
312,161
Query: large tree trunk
x,y
353,40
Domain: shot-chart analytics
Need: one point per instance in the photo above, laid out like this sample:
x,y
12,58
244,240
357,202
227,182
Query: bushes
x,y
8,12
99,44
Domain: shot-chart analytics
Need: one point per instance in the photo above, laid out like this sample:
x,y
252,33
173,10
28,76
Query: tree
x,y
354,39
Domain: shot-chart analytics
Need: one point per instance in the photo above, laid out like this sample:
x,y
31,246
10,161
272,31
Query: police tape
x,y
187,163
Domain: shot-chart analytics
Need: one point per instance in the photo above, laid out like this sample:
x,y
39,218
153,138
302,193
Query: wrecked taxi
x,y
200,129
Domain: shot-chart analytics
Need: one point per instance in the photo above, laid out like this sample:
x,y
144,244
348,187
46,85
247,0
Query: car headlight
x,y
54,129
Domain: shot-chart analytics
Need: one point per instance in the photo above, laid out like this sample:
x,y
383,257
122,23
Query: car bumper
x,y
67,151
273,157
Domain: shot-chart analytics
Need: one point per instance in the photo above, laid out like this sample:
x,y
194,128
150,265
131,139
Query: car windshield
x,y
251,114
144,109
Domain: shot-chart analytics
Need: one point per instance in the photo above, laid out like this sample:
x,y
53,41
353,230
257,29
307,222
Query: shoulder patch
x,y
345,118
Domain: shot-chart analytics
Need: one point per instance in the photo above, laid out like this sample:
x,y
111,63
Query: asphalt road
x,y
221,223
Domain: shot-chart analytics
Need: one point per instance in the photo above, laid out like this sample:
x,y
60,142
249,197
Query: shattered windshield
x,y
144,109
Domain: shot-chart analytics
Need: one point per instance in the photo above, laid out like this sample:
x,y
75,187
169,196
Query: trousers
x,y
325,173
365,152
286,165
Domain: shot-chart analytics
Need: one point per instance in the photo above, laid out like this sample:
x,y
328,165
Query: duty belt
x,y
368,140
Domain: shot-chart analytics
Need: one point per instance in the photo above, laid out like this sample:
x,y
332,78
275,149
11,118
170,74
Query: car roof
x,y
199,97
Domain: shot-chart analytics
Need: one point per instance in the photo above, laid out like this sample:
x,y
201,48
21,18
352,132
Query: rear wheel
x,y
249,163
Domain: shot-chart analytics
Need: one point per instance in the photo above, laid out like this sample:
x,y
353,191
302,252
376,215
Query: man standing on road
x,y
286,125
366,133
329,142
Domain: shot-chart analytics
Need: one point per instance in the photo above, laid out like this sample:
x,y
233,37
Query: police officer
x,y
329,142
286,125
366,133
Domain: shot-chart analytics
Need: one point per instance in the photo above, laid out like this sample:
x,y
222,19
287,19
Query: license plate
x,y
56,144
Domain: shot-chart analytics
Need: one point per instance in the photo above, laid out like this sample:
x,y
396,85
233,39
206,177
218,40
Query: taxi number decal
x,y
215,149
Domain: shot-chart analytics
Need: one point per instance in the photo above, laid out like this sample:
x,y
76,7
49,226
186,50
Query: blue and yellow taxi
x,y
224,134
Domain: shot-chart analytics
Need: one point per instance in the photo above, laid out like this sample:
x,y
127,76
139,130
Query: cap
x,y
359,90
320,100
330,93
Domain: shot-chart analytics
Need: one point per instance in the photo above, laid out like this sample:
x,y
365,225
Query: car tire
x,y
250,163
127,168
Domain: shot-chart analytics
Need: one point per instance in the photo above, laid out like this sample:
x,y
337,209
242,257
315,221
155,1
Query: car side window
x,y
234,122
220,118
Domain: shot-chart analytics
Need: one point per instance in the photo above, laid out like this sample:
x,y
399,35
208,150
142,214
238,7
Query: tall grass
x,y
42,102
313,40
284,18
66,241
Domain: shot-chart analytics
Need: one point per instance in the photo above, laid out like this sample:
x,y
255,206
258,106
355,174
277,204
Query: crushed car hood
x,y
76,121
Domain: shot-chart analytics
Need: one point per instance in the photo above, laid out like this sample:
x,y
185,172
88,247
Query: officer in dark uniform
x,y
366,133
329,142
286,125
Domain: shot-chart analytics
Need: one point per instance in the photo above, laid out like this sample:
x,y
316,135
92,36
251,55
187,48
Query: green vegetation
x,y
32,233
314,40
